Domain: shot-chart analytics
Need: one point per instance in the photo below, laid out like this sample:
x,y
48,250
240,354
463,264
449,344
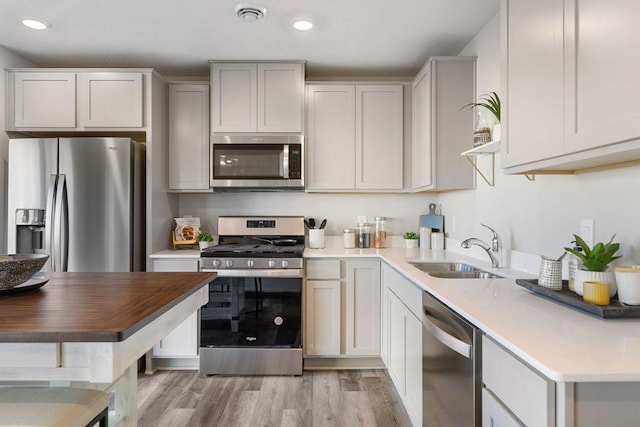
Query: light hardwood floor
x,y
317,398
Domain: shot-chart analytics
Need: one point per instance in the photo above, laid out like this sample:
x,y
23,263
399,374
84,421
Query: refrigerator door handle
x,y
48,221
57,251
64,226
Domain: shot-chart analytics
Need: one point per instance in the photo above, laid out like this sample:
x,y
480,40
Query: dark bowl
x,y
18,268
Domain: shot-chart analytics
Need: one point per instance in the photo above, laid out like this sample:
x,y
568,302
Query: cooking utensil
x,y
306,223
323,224
278,242
312,222
431,220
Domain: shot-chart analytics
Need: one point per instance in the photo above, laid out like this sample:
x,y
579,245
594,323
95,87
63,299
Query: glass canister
x,y
364,235
380,233
349,238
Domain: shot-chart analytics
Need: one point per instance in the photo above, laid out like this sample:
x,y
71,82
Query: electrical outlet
x,y
587,231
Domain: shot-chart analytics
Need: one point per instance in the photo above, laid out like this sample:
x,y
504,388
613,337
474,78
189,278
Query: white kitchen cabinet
x,y
342,311
183,341
354,137
496,415
442,129
384,313
257,97
188,137
45,100
42,100
404,329
570,85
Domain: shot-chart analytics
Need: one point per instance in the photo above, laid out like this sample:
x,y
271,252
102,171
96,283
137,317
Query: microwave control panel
x,y
295,161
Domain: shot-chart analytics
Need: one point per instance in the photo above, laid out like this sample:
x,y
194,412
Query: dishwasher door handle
x,y
445,338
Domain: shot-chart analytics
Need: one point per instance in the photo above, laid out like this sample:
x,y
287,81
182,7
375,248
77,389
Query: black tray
x,y
614,310
33,284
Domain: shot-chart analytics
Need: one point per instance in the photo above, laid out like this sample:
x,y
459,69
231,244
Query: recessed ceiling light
x,y
36,24
303,25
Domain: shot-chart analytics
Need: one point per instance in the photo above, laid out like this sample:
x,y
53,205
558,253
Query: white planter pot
x,y
204,245
496,133
628,280
608,276
411,243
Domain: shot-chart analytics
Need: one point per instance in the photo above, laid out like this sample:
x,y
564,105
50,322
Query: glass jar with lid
x,y
349,238
364,235
380,233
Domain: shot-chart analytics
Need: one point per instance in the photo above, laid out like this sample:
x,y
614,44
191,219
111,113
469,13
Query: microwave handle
x,y
285,161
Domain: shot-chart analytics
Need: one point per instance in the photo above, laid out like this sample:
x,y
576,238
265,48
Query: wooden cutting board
x,y
431,220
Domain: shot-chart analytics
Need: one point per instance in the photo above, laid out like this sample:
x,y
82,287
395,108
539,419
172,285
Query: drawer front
x,y
323,269
527,394
407,292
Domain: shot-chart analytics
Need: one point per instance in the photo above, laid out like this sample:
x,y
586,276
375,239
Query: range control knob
x,y
216,263
285,263
272,263
228,263
250,263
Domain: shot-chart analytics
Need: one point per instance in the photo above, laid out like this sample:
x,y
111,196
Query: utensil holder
x,y
550,275
316,238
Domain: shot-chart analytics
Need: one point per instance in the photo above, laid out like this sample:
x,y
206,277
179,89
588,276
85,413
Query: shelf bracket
x,y
491,180
530,177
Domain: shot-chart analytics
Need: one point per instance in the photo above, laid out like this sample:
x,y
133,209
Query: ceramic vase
x,y
628,281
411,243
582,276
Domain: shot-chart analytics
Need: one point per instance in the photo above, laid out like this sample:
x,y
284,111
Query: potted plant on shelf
x,y
491,102
595,264
410,239
204,240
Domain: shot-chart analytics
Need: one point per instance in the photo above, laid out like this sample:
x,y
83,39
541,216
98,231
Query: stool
x,y
59,407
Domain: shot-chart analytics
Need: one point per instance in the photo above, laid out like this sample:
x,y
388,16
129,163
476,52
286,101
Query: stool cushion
x,y
58,406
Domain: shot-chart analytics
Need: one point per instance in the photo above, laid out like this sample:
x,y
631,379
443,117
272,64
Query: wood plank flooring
x,y
317,398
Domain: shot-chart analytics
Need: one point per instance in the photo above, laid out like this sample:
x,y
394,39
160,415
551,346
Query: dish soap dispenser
x,y
574,263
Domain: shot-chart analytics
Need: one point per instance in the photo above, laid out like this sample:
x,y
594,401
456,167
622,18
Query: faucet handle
x,y
495,240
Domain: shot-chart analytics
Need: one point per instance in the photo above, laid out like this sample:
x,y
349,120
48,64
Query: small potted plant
x,y
410,239
595,264
491,102
204,240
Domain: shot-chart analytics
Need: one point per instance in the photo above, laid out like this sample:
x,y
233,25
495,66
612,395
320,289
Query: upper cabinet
x,y
571,84
354,137
257,97
442,129
43,100
189,137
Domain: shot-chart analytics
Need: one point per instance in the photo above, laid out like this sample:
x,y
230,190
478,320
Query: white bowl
x,y
628,279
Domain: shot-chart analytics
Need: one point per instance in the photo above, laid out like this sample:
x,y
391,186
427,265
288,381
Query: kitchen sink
x,y
454,270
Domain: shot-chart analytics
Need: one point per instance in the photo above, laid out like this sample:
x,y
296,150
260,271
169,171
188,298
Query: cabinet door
x,y
110,100
280,97
378,135
183,340
362,308
330,131
413,384
322,317
384,314
234,90
533,116
423,151
44,100
397,343
602,65
189,137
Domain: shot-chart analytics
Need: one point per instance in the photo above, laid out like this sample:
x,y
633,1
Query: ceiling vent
x,y
250,12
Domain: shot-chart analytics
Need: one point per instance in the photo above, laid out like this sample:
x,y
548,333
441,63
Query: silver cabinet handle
x,y
445,338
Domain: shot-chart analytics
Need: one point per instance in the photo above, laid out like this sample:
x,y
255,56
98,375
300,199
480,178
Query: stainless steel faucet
x,y
494,251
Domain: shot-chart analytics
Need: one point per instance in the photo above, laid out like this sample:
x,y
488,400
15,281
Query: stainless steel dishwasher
x,y
450,367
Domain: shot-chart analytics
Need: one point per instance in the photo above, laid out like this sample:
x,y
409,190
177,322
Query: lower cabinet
x,y
179,349
342,308
402,332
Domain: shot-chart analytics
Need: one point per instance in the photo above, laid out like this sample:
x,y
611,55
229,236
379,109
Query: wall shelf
x,y
489,148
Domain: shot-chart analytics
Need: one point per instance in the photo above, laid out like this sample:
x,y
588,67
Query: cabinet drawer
x,y
323,269
530,396
406,291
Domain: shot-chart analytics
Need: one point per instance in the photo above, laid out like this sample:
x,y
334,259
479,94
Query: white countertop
x,y
563,343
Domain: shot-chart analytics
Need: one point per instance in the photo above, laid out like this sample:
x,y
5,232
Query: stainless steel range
x,y
252,324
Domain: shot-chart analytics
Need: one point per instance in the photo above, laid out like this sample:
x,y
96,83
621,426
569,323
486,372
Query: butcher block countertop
x,y
94,307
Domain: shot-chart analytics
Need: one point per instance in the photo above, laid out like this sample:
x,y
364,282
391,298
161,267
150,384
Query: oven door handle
x,y
445,338
294,272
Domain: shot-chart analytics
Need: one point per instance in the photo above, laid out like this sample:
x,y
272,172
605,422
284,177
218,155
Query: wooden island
x,y
90,329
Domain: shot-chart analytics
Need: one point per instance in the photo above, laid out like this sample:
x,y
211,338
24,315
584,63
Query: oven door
x,y
253,311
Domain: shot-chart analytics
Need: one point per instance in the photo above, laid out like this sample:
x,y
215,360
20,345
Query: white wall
x,y
540,217
8,59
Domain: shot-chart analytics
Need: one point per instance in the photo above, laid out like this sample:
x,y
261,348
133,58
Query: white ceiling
x,y
359,38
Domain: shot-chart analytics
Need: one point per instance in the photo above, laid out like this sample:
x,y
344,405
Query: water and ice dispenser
x,y
29,231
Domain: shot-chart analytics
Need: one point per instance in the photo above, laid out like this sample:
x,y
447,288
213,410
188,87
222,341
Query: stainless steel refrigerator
x,y
80,200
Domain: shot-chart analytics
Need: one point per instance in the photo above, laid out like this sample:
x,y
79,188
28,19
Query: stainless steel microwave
x,y
257,162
